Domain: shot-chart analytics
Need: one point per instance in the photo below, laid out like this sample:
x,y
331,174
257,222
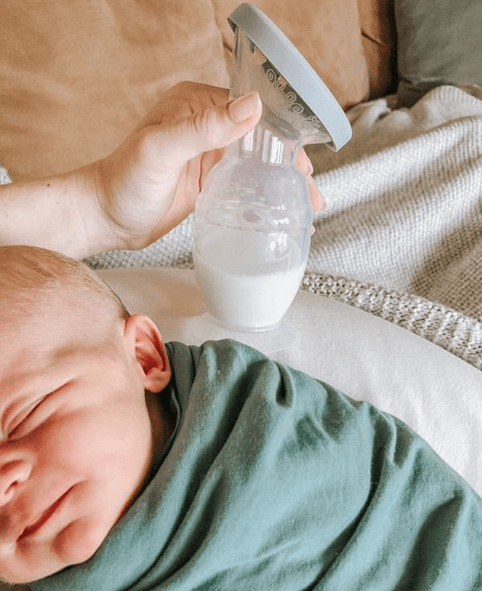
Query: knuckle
x,y
202,122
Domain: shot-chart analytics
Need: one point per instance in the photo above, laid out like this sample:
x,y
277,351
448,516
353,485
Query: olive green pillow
x,y
438,42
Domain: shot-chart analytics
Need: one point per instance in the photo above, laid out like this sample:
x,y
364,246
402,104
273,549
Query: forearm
x,y
60,213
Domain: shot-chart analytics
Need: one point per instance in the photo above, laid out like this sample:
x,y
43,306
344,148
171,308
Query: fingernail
x,y
310,167
244,107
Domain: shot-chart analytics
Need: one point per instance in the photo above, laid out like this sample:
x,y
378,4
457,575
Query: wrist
x,y
60,213
96,232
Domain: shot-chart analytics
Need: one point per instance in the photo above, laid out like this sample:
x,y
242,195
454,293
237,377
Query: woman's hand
x,y
144,188
150,183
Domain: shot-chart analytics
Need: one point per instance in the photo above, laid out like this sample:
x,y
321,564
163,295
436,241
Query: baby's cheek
x,y
80,540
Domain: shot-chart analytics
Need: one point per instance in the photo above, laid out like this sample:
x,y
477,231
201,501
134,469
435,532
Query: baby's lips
x,y
35,527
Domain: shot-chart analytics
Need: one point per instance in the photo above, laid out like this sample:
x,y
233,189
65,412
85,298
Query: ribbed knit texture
x,y
452,330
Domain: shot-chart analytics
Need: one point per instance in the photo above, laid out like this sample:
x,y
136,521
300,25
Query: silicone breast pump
x,y
253,218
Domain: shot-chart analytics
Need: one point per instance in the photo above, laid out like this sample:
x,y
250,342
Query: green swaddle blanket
x,y
276,481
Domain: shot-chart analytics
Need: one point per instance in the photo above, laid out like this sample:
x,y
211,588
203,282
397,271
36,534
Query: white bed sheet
x,y
435,393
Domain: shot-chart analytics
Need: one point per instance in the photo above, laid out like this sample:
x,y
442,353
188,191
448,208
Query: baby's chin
x,y
76,544
80,540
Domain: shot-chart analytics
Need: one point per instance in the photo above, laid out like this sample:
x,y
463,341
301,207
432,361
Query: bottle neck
x,y
265,146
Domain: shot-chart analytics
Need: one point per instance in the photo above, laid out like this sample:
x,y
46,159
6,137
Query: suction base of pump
x,y
205,328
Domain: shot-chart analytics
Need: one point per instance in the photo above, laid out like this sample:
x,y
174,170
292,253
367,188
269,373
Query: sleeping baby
x,y
127,463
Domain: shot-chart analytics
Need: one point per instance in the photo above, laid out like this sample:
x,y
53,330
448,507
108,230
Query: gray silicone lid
x,y
310,89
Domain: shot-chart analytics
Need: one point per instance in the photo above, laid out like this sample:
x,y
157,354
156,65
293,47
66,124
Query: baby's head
x,y
78,425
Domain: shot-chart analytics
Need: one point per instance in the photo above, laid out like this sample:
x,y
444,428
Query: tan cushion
x,y
76,76
327,33
379,39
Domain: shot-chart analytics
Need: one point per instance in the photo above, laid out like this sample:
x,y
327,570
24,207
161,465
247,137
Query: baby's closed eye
x,y
26,415
33,414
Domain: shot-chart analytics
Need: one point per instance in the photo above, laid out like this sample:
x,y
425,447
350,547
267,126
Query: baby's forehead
x,y
47,350
47,328
25,309
35,328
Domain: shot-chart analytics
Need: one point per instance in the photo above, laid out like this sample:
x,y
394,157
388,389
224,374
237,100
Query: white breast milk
x,y
247,279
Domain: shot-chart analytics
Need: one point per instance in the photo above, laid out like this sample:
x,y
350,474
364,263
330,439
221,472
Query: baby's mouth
x,y
31,529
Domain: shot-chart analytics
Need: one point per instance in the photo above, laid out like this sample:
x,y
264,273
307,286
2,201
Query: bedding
x,y
404,199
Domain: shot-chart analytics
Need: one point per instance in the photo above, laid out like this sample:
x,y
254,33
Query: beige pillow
x,y
379,39
77,76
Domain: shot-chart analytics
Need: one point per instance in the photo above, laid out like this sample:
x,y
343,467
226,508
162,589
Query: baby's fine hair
x,y
31,277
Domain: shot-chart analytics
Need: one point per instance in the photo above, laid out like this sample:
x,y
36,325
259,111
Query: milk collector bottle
x,y
253,218
252,232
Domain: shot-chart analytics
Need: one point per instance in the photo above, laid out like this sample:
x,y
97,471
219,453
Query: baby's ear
x,y
144,336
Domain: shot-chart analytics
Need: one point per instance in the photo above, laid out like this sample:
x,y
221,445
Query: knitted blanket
x,y
405,200
402,234
405,213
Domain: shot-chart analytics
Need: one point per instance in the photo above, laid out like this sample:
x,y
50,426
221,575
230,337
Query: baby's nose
x,y
12,473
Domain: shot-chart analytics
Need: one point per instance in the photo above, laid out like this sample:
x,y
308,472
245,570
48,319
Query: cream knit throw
x,y
402,234
405,200
405,213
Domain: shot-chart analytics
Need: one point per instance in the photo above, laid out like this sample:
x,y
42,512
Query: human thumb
x,y
244,108
215,127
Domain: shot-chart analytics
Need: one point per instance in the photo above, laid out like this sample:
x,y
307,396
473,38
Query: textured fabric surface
x,y
173,250
405,200
277,482
438,42
405,213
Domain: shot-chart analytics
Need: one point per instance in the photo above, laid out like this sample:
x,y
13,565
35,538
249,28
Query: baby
x,y
79,432
127,463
